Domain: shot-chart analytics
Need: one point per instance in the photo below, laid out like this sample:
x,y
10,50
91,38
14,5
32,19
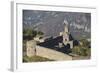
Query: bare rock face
x,y
51,22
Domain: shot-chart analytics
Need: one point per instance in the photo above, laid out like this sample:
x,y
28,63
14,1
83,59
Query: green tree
x,y
28,34
82,51
40,33
85,43
76,50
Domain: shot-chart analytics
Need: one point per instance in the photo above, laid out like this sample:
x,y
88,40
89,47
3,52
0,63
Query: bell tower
x,y
66,26
65,33
66,36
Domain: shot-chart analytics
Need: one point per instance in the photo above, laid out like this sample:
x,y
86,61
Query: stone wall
x,y
51,54
33,49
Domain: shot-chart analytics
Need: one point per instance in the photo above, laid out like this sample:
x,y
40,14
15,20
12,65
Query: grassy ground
x,y
81,58
35,59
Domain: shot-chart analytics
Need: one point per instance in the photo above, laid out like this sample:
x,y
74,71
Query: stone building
x,y
66,35
31,48
61,43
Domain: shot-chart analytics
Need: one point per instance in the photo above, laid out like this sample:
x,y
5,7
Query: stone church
x,y
62,43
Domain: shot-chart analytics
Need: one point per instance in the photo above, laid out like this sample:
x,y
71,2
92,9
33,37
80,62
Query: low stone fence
x,y
51,54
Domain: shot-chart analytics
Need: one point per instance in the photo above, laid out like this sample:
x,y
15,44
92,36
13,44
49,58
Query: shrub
x,y
83,51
